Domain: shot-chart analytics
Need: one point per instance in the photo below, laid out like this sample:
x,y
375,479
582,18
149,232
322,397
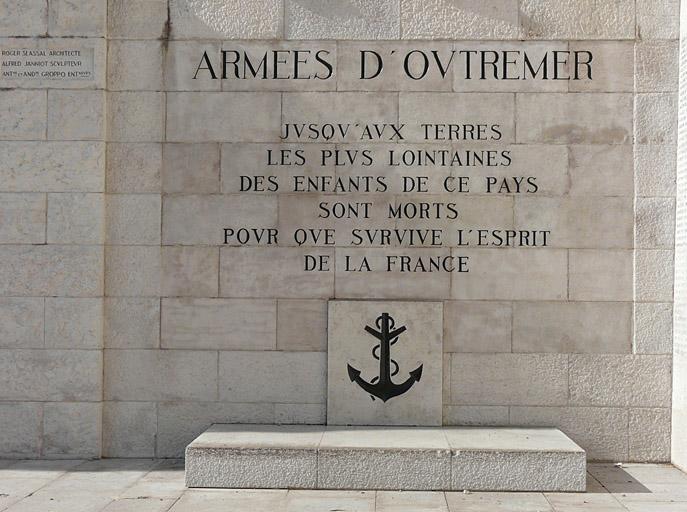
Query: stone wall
x,y
118,298
679,426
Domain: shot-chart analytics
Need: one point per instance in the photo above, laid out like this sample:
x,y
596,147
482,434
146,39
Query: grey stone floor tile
x,y
575,502
140,505
226,500
411,501
497,502
40,469
160,489
317,501
62,503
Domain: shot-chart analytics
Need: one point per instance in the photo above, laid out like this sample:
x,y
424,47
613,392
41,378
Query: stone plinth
x,y
407,458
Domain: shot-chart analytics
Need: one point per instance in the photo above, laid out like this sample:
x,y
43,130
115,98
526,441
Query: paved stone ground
x,y
136,485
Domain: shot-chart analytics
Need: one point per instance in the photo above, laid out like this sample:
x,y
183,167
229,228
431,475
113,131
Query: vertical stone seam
x,y
106,144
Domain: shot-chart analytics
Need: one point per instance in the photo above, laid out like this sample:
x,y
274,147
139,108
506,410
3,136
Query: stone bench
x,y
399,458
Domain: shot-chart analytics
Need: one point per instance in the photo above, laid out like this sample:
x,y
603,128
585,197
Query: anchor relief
x,y
382,386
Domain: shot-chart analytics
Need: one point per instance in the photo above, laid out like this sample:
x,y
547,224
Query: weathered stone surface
x,y
30,18
310,19
224,324
658,19
654,222
572,327
271,500
653,328
601,431
522,275
655,170
133,219
258,456
76,115
577,19
476,415
655,118
306,414
655,69
52,166
654,275
20,429
368,469
158,375
613,69
509,379
601,170
132,322
133,167
72,430
180,423
135,65
136,116
605,380
372,458
190,271
360,501
223,116
23,218
56,270
302,325
482,458
21,322
48,375
129,429
292,377
584,118
73,323
77,18
649,435
579,222
460,19
201,219
349,345
600,275
281,269
134,19
76,218
260,19
23,115
132,271
493,500
191,168
464,326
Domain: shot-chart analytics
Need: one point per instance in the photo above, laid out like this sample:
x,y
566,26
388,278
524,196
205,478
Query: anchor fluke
x,y
417,373
353,374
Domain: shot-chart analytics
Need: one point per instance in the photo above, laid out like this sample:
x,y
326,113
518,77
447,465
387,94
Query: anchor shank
x,y
384,356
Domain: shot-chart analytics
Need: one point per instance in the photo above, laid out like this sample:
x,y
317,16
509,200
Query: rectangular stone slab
x,y
405,458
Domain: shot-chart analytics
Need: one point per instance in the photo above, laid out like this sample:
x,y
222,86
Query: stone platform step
x,y
399,458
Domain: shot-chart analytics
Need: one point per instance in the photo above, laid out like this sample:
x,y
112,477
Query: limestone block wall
x,y
52,231
118,296
679,425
